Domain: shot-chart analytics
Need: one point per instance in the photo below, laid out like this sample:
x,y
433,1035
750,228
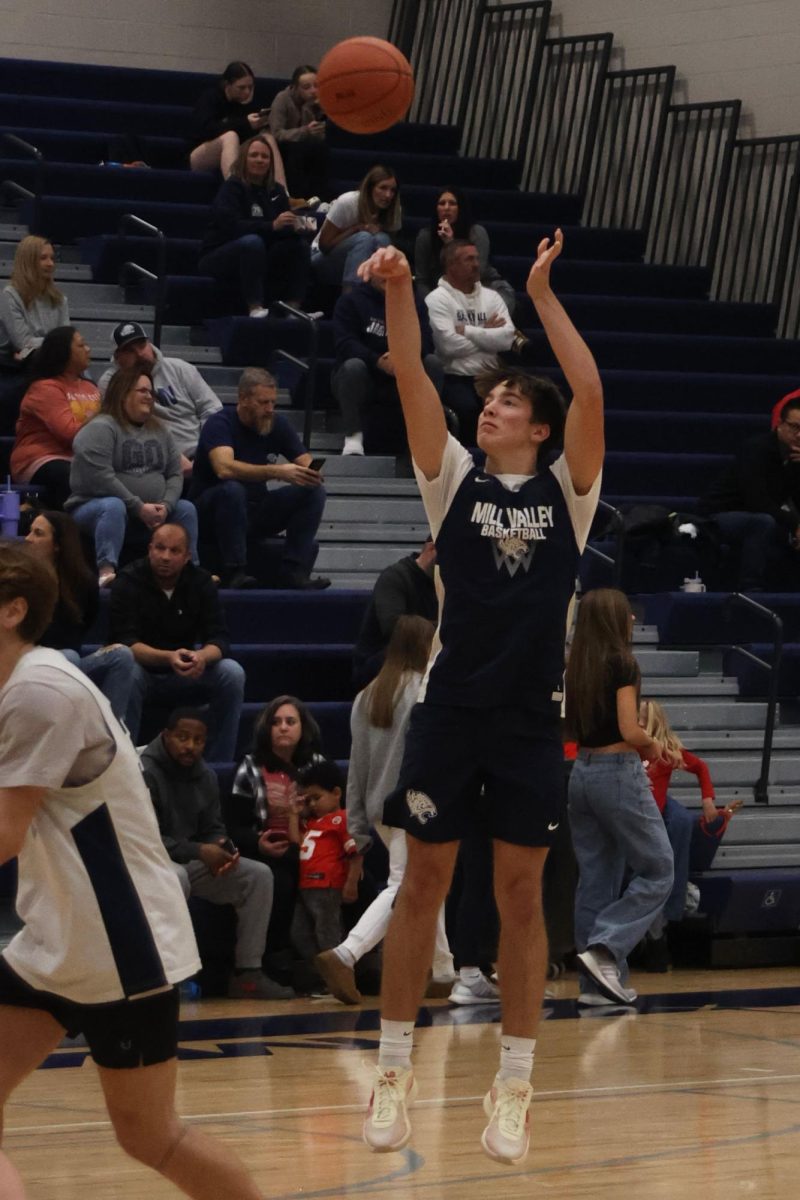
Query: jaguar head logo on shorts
x,y
420,806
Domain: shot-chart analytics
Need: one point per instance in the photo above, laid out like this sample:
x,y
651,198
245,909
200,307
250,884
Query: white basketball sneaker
x,y
507,1136
387,1126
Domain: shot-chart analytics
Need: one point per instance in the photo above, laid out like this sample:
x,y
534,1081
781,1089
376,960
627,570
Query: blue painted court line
x,y
239,1037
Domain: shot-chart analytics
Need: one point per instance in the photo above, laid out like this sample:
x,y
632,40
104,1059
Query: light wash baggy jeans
x,y
618,833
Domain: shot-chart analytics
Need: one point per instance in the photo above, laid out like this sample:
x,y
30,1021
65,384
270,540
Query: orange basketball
x,y
365,84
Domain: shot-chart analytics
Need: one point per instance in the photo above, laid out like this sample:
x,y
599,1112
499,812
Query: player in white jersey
x,y
484,738
106,933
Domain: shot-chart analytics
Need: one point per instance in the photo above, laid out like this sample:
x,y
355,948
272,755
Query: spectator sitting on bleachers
x,y
775,418
755,502
253,238
452,220
183,398
126,465
471,327
185,795
56,406
169,612
357,224
30,304
226,116
237,455
286,738
297,123
54,536
363,379
403,589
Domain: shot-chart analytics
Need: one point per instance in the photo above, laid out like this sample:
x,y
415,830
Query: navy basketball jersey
x,y
507,561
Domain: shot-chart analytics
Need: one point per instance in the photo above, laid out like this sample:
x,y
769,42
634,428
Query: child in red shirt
x,y
330,865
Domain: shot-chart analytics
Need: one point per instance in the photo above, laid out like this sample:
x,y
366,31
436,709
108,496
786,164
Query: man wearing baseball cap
x,y
183,398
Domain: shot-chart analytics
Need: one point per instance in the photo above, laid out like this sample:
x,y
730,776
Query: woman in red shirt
x,y
57,404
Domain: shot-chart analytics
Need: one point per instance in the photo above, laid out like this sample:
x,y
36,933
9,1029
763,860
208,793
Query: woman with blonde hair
x,y
681,824
252,237
378,725
30,304
614,821
357,224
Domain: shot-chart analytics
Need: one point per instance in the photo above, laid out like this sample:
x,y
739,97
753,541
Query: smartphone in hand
x,y
316,464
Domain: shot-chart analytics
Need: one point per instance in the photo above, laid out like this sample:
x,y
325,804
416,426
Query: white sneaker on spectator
x,y
507,1136
480,991
387,1126
259,313
354,444
598,963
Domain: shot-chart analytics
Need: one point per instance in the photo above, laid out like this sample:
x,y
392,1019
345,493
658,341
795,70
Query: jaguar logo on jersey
x,y
514,532
420,806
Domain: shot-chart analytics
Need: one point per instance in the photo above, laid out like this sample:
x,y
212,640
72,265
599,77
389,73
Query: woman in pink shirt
x,y
57,404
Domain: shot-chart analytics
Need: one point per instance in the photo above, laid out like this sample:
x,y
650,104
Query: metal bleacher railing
x,y
678,172
9,187
129,271
773,668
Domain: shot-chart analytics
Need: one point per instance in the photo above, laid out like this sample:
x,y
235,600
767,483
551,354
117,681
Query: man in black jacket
x,y
185,795
168,611
363,379
403,589
755,503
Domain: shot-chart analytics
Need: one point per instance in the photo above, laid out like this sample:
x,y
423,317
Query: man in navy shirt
x,y
483,749
238,454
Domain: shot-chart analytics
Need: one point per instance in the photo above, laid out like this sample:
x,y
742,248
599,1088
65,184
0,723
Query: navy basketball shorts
x,y
499,769
120,1035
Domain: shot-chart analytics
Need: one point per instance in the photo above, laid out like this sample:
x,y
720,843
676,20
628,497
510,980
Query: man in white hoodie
x,y
183,398
471,326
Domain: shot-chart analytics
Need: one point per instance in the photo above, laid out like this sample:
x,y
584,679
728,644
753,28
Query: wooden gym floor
x,y
694,1096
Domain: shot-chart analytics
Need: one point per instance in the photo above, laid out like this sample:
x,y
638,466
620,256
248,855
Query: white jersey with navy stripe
x,y
507,554
104,915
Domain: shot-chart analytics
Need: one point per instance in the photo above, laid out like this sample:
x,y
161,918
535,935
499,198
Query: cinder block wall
x,y
723,49
194,35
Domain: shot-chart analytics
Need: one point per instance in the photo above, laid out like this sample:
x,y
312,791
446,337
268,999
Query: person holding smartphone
x,y
298,124
286,738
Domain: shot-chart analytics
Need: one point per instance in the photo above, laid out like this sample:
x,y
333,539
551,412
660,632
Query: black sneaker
x,y
237,577
302,581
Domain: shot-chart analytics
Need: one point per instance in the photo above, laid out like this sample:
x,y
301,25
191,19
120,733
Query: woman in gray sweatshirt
x,y
126,468
30,304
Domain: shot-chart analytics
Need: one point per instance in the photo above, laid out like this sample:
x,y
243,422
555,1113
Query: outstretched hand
x,y
539,278
386,263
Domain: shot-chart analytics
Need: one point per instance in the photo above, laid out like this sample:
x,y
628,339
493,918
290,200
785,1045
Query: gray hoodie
x,y
183,399
136,464
186,800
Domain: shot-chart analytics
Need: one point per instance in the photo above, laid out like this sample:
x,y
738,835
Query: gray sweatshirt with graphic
x,y
136,464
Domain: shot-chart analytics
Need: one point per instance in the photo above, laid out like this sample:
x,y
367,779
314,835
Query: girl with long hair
x,y
56,406
225,116
452,220
252,238
615,823
31,304
684,828
357,224
55,538
378,725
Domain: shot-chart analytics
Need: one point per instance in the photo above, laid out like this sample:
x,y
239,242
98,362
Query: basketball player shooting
x,y
106,934
485,733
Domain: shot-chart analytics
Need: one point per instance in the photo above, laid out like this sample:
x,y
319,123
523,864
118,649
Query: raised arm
x,y
422,409
584,444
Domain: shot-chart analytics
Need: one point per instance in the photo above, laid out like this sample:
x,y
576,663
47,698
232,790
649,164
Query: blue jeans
x,y
340,265
616,825
754,534
679,823
107,518
278,271
227,509
221,686
111,671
